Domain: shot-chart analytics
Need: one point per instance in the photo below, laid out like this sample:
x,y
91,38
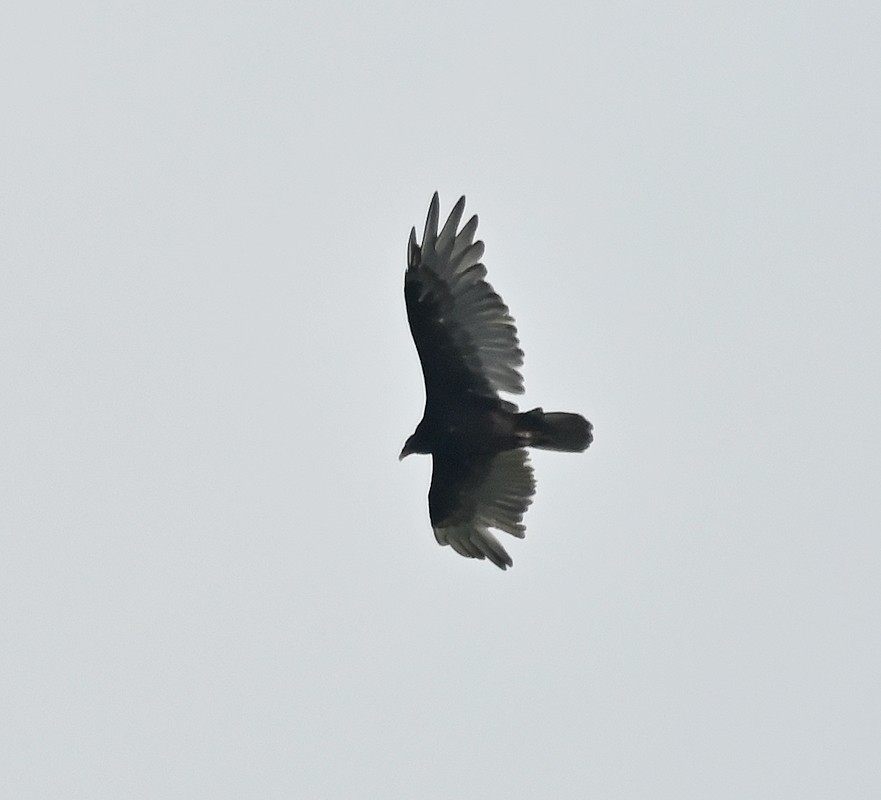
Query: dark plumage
x,y
469,350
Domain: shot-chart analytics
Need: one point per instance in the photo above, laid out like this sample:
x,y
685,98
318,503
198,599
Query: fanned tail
x,y
555,430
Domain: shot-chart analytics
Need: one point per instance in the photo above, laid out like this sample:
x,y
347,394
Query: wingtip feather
x,y
474,541
413,253
447,238
429,235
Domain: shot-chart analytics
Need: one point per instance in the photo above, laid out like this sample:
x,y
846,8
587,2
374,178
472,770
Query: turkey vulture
x,y
469,350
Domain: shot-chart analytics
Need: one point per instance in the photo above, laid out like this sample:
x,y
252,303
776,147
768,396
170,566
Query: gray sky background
x,y
216,578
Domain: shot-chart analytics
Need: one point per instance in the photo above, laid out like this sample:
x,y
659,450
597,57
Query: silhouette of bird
x,y
469,350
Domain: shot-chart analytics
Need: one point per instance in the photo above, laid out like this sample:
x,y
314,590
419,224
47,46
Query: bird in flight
x,y
468,346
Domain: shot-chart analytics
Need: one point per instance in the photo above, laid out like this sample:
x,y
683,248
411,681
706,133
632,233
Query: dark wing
x,y
463,332
467,499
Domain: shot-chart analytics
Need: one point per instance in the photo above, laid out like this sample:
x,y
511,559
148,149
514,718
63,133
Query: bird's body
x,y
468,347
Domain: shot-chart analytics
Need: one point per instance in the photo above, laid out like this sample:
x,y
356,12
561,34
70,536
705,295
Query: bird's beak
x,y
405,452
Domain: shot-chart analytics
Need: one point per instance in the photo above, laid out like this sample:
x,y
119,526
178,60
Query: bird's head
x,y
417,443
408,448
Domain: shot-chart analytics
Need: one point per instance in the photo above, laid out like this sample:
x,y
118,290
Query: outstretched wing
x,y
463,332
467,499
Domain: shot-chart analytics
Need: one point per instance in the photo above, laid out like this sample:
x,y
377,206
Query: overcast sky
x,y
216,579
